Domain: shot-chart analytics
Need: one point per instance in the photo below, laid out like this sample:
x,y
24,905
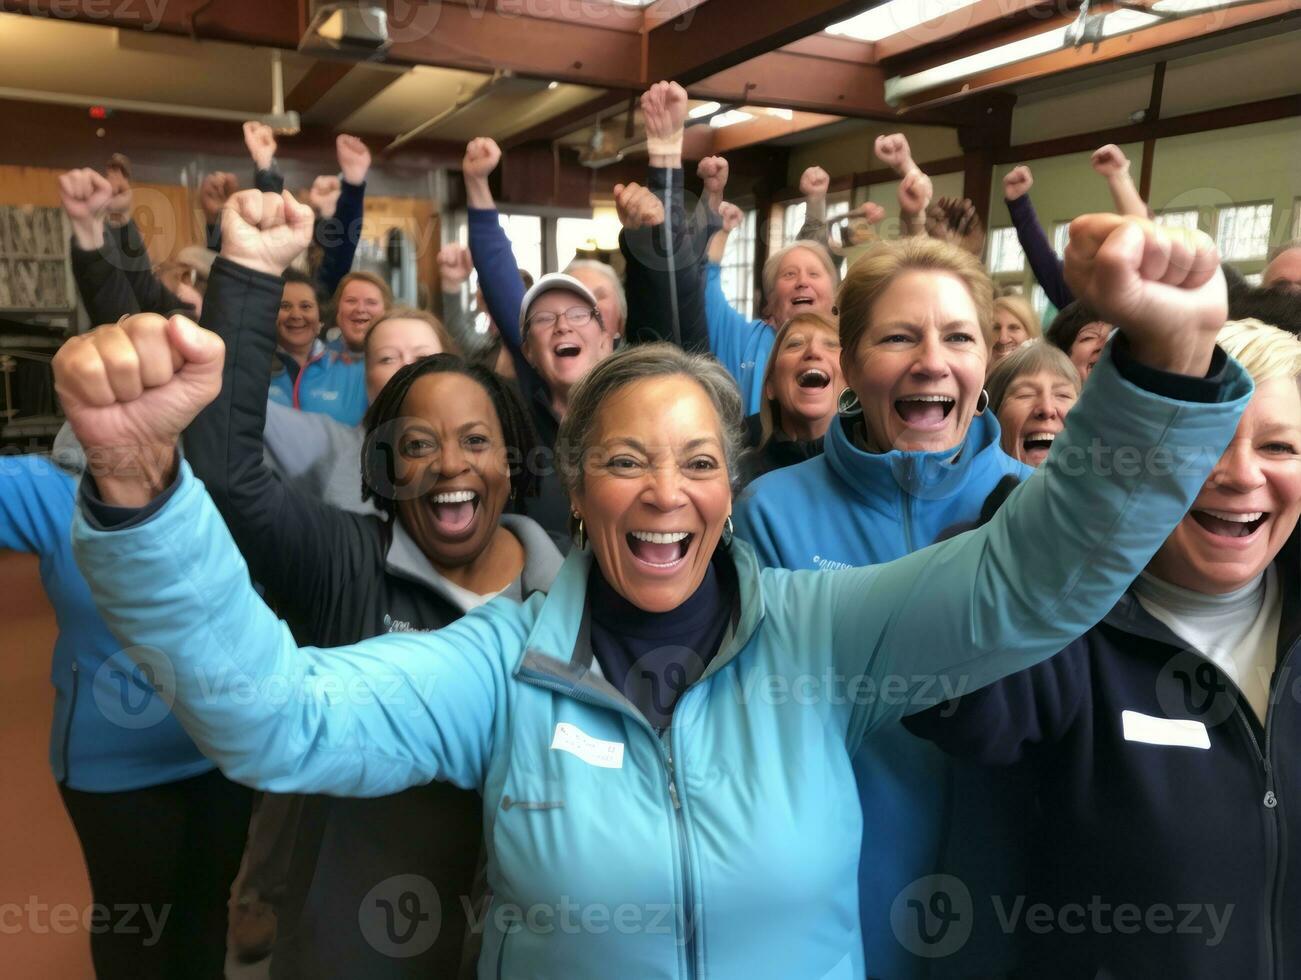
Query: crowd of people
x,y
634,636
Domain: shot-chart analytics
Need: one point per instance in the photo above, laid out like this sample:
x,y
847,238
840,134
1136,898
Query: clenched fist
x,y
713,171
637,207
1162,287
264,231
894,152
213,192
915,192
664,110
815,182
481,158
354,158
732,217
129,390
323,196
85,195
261,142
1017,183
454,266
1109,160
119,205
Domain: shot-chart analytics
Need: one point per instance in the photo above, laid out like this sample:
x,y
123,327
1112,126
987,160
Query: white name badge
x,y
593,751
1181,732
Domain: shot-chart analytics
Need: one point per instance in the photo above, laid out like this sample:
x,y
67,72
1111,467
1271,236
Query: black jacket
x,y
1205,843
117,279
765,455
337,577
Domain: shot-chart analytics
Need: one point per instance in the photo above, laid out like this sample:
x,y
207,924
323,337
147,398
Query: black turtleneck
x,y
652,658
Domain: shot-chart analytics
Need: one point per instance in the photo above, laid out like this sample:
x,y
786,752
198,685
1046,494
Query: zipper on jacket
x,y
907,523
684,856
1272,804
67,729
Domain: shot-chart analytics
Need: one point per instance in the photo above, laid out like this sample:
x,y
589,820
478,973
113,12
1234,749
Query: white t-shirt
x,y
1237,631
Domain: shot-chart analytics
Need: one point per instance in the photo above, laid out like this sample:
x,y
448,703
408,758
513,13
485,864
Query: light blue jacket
x,y
925,813
728,848
111,731
741,345
332,382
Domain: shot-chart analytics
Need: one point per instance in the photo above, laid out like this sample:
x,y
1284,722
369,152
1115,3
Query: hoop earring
x,y
982,402
578,532
847,403
727,532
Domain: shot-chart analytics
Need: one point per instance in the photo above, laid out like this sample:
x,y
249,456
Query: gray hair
x,y
1032,357
775,260
605,270
638,363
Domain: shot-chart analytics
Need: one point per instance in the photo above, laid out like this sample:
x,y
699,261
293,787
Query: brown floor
x,y
40,861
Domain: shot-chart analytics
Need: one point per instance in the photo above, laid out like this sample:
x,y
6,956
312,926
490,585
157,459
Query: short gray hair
x,y
638,363
1032,357
774,262
608,271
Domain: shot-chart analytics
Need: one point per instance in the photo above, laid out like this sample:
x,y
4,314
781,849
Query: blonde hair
x,y
450,346
872,273
369,277
770,408
774,261
1020,308
1267,353
1032,357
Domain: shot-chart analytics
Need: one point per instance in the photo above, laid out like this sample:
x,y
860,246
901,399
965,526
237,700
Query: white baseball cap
x,y
550,283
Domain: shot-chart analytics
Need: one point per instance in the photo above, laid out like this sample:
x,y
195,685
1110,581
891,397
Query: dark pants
x,y
161,862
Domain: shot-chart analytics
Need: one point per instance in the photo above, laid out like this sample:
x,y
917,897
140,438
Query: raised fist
x,y
137,384
213,192
85,194
637,207
664,109
732,217
1108,160
894,152
481,158
119,205
871,212
955,220
713,171
354,158
815,182
454,266
261,143
1017,182
915,192
264,231
323,195
1162,286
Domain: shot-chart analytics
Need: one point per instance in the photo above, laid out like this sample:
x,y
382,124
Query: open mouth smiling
x,y
1230,524
814,378
455,512
567,350
925,411
659,551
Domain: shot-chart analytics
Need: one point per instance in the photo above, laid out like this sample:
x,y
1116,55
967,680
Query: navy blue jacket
x,y
1152,860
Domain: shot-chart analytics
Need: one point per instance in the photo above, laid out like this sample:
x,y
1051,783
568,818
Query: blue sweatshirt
x,y
111,731
742,345
331,382
848,508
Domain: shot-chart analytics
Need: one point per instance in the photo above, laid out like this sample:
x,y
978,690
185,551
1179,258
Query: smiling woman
x,y
1030,392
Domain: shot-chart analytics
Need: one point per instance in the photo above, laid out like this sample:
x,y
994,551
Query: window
x,y
599,233
1242,232
525,234
837,204
1178,219
1005,253
1039,301
738,266
1061,237
1296,219
792,221
1254,278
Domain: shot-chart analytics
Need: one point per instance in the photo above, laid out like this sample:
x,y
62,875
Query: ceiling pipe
x,y
480,93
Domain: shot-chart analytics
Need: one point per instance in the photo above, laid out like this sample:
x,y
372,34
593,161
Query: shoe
x,y
252,931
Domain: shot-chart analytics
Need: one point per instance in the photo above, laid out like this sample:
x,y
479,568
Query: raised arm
x,y
494,260
454,267
1044,263
915,189
1135,452
1113,166
260,141
339,234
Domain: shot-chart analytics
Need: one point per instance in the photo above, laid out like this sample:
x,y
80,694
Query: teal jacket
x,y
729,847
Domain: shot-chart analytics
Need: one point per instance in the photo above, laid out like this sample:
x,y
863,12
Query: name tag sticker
x,y
1181,732
593,751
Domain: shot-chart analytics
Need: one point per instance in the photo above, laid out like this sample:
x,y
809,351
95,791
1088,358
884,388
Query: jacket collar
x,y
933,475
558,650
542,560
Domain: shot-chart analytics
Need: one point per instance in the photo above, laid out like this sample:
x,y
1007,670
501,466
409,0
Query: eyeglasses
x,y
575,316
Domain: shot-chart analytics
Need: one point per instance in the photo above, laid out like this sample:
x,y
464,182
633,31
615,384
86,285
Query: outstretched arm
x,y
1113,165
1044,263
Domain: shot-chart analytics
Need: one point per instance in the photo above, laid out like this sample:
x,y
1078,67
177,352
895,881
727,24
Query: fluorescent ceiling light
x,y
786,114
730,118
704,109
1186,7
895,17
1097,27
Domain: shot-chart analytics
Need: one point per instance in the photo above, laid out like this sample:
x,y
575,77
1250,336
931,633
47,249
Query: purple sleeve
x,y
503,290
1044,263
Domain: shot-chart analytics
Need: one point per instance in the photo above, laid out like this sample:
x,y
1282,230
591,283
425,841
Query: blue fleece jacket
x,y
741,345
929,814
331,382
111,731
